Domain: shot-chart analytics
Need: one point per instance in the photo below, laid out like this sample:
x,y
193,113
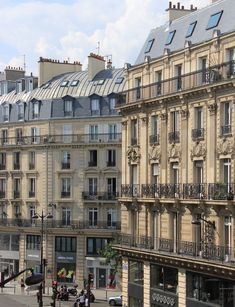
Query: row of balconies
x,y
215,191
201,250
64,139
71,224
186,82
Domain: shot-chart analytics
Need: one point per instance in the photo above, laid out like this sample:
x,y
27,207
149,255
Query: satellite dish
x,y
35,278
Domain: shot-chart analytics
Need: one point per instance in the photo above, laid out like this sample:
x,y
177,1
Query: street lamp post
x,y
208,237
42,217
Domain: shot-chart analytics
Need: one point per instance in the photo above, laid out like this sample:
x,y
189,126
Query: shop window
x,y
164,278
65,244
136,273
95,245
33,242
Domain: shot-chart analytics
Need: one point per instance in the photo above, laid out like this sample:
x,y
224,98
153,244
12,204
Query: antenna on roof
x,y
98,48
24,64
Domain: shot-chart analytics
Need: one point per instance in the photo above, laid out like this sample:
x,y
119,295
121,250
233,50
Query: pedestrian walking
x,y
22,285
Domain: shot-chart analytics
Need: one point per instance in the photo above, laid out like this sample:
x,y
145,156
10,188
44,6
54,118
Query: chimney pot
x,y
170,5
178,5
191,7
182,7
174,6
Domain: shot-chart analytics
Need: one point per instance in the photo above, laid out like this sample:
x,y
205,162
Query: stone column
x,y
146,284
124,281
182,287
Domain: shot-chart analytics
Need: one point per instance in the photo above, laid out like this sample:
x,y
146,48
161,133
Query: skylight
x,y
74,83
191,29
149,45
119,80
214,20
64,83
47,85
170,37
100,82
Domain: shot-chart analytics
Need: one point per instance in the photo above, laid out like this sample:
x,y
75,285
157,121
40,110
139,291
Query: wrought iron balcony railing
x,y
221,191
16,194
100,195
195,191
130,190
65,165
226,129
92,163
65,194
63,139
174,137
187,82
111,163
154,139
2,194
200,250
198,134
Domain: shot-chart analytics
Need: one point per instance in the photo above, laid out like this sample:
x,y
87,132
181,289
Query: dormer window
x,y
35,110
20,111
100,82
170,37
68,108
95,106
119,80
64,83
74,83
191,29
149,45
214,20
6,113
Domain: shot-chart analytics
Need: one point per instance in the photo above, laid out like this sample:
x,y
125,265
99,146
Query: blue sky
x,y
71,29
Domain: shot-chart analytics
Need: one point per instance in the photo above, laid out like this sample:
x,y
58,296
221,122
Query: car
x,y
115,300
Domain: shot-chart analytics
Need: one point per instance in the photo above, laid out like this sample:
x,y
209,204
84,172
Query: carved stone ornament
x,y
174,152
163,116
225,147
212,108
154,153
199,150
133,155
184,113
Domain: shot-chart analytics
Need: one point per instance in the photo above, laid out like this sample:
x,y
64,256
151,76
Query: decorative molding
x,y
154,153
133,155
199,150
225,147
174,152
124,124
144,120
184,113
163,116
212,107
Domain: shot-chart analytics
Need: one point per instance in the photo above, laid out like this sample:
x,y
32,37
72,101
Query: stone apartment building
x,y
60,155
177,193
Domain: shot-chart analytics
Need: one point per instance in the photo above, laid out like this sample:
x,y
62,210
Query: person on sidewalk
x,y
82,298
22,285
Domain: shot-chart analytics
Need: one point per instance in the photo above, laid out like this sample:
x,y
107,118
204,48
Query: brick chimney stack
x,y
177,11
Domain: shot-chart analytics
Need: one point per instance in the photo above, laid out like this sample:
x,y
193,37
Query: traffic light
x,y
45,262
90,278
54,292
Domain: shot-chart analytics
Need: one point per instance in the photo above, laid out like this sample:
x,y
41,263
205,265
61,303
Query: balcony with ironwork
x,y
31,166
65,165
130,190
154,139
111,163
194,191
31,194
16,194
186,82
170,190
92,163
133,141
65,194
2,167
2,194
198,134
187,249
150,190
226,130
221,191
16,166
174,137
99,195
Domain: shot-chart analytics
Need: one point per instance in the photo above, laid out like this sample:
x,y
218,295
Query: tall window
x,y
20,111
93,216
154,137
174,136
16,160
111,187
198,172
31,160
65,160
35,138
227,236
35,106
175,172
231,60
155,173
204,73
66,217
92,186
227,171
6,113
226,127
112,105
93,158
198,131
164,278
67,133
136,272
3,159
112,132
112,217
95,107
94,132
2,188
19,135
68,108
65,187
16,188
32,212
4,136
134,132
32,187
178,74
111,155
158,79
137,88
33,242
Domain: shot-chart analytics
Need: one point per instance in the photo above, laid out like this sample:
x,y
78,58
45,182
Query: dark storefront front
x,y
164,286
136,284
203,290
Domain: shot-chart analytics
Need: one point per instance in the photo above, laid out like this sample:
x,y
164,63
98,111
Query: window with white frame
x,y
174,136
35,106
92,186
35,138
111,217
66,156
111,187
154,137
4,136
198,131
19,135
67,133
32,212
32,187
178,75
5,112
93,216
226,120
20,111
94,132
66,216
95,106
155,173
65,187
111,157
32,160
68,107
137,88
227,236
226,165
112,131
231,60
112,105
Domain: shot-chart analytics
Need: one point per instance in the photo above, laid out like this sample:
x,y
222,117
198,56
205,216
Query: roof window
x,y
64,83
47,85
170,37
100,82
149,45
74,83
119,80
214,20
191,29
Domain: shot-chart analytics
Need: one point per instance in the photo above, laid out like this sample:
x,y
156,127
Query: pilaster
x,y
182,287
124,281
146,284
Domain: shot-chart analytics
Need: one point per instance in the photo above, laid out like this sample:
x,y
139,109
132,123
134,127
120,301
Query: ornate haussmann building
x,y
60,154
177,193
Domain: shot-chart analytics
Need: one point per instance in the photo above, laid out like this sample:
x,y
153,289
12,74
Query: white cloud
x,y
72,30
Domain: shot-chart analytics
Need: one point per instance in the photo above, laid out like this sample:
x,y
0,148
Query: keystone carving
x,y
154,153
133,155
199,150
212,108
225,147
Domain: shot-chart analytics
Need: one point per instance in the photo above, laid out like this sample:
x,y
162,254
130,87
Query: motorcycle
x,y
73,290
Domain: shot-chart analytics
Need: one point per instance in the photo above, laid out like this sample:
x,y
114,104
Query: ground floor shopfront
x,y
161,284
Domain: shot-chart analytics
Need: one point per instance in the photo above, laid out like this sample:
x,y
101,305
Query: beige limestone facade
x,y
177,194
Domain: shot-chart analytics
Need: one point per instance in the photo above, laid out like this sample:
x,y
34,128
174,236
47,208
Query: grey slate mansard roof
x,y
200,34
52,97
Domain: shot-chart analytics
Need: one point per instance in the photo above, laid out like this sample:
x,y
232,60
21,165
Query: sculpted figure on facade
x,y
199,150
225,146
154,153
133,155
174,152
